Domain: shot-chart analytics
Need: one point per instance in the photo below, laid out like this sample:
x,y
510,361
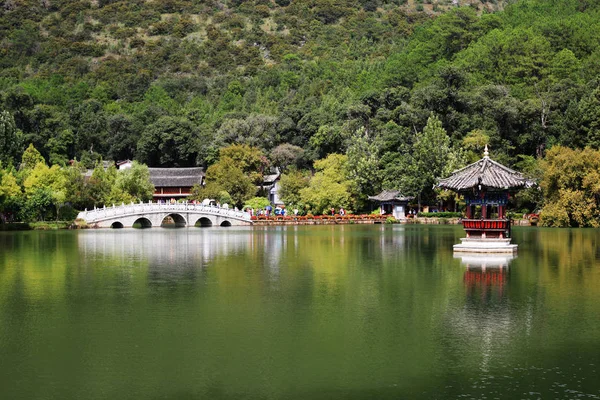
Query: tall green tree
x,y
169,142
10,139
433,158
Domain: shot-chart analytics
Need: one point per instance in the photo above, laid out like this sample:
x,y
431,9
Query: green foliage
x,y
286,155
364,162
250,160
168,142
37,205
571,187
31,158
430,159
441,214
290,185
330,187
257,203
172,82
225,175
10,193
100,185
132,184
10,139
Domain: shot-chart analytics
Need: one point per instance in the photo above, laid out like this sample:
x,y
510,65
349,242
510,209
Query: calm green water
x,y
331,312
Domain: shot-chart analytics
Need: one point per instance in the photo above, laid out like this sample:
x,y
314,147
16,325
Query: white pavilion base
x,y
485,260
488,246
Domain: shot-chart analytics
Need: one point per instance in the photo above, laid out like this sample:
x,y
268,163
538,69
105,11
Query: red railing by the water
x,y
486,224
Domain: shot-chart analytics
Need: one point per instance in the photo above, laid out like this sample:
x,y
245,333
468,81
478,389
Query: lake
x,y
300,312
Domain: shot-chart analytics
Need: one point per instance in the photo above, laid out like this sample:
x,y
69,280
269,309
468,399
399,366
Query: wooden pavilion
x,y
392,202
486,186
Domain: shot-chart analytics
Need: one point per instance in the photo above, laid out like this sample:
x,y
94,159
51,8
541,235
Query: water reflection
x,y
297,312
485,274
165,246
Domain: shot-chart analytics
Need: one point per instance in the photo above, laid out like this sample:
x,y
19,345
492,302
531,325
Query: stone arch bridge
x,y
147,215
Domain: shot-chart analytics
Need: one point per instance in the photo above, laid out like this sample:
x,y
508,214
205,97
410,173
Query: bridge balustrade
x,y
145,208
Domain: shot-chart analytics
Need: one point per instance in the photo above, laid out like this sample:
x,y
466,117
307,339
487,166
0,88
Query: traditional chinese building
x,y
392,202
174,183
271,186
486,186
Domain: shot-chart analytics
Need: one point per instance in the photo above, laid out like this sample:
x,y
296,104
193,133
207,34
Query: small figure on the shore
x,y
342,212
332,211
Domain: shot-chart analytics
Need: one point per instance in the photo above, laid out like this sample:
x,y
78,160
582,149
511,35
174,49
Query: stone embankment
x,y
455,221
318,220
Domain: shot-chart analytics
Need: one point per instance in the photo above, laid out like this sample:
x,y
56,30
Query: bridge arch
x,y
203,222
173,220
142,223
146,215
116,225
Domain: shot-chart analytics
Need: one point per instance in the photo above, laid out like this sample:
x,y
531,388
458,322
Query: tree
x,y
100,184
433,157
474,143
31,157
570,183
363,162
76,190
290,185
37,204
122,137
44,187
254,130
89,127
10,194
330,186
286,155
132,184
10,139
226,175
169,142
250,160
257,203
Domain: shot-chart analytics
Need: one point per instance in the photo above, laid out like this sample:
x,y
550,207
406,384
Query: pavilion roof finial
x,y
486,153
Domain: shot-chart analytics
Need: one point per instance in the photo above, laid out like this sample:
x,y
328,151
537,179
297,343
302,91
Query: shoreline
x,y
272,221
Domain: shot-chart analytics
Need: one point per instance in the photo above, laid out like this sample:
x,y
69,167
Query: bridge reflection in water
x,y
184,253
164,245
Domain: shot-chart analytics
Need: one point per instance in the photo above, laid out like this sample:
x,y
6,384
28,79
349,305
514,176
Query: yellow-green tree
x,y
570,183
10,193
225,175
45,187
330,187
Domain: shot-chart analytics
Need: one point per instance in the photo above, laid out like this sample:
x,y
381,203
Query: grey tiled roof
x,y
486,172
176,177
390,195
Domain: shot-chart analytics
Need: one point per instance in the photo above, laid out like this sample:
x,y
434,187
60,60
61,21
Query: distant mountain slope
x,y
171,81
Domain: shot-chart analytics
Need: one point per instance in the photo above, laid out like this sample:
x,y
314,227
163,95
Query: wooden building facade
x,y
175,183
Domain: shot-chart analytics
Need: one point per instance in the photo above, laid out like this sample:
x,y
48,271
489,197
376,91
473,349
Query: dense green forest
x,y
405,90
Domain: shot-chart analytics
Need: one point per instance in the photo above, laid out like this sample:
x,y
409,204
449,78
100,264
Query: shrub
x,y
443,214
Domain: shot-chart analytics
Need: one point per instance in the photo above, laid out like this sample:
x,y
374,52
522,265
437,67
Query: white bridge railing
x,y
125,210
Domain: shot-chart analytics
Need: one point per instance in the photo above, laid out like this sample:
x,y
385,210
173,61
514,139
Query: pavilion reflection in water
x,y
486,274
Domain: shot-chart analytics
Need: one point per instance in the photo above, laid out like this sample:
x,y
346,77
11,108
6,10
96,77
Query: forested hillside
x,y
171,82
